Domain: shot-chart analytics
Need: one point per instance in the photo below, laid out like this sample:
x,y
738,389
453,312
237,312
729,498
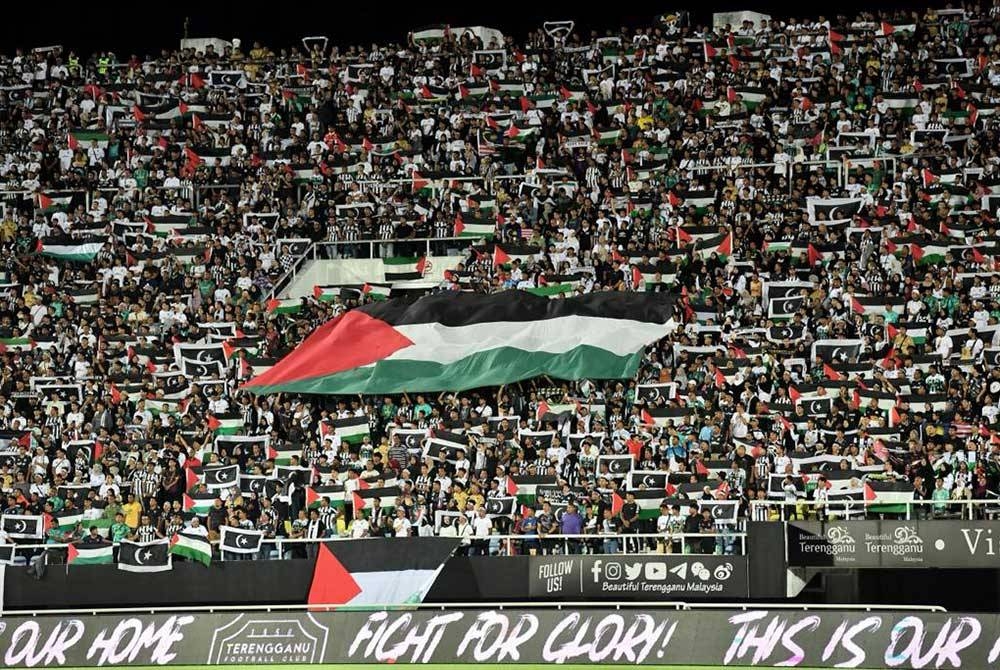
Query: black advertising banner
x,y
646,577
893,544
715,638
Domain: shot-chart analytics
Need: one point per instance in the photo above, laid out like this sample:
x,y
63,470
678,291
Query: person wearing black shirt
x,y
692,526
216,519
630,521
315,530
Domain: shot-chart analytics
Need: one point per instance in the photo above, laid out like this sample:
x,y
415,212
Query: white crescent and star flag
x,y
784,308
836,351
652,393
505,506
618,466
201,360
221,477
723,511
23,526
227,79
240,541
411,438
650,479
144,556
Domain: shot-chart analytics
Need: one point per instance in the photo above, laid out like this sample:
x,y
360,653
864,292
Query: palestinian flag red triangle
x,y
358,339
393,571
331,584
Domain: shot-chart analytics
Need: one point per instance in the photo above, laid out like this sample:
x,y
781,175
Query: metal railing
x,y
372,248
289,275
724,543
678,605
860,509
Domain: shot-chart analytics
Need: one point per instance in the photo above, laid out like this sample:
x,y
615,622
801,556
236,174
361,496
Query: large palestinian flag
x,y
392,571
459,341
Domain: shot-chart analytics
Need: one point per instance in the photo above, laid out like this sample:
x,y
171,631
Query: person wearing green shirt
x,y
112,509
206,286
422,406
119,529
940,496
388,409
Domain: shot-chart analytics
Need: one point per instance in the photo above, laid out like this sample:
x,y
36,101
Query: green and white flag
x,y
482,228
79,251
351,430
84,554
376,291
289,306
192,547
16,344
226,424
53,202
403,269
199,503
84,139
466,340
326,293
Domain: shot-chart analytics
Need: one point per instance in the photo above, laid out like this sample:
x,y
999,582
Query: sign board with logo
x,y
893,544
250,640
644,577
598,637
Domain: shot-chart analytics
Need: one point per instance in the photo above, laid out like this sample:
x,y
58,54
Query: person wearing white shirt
x,y
195,528
448,529
943,344
463,529
482,527
401,525
740,424
360,527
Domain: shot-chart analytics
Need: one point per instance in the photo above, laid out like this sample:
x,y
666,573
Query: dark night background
x,y
145,28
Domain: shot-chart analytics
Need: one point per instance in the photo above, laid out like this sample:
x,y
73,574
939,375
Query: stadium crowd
x,y
821,194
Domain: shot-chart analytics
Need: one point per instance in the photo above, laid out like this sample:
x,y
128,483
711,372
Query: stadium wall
x,y
649,636
462,580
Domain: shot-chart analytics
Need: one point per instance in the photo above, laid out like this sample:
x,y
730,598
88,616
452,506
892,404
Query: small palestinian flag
x,y
376,291
351,430
289,306
283,455
928,254
16,344
199,503
90,554
77,251
54,203
475,228
526,487
403,269
365,498
226,424
494,339
85,139
193,547
721,246
326,293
